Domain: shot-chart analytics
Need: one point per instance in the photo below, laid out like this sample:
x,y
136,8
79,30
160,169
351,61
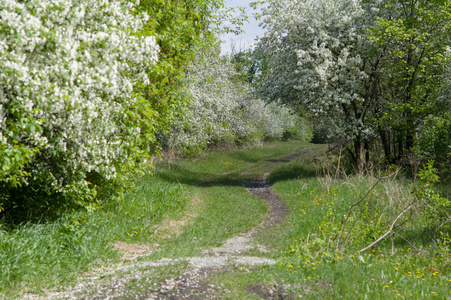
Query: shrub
x,y
434,143
70,119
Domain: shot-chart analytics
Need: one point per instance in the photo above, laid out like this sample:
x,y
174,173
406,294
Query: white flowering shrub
x,y
322,43
70,116
283,124
223,110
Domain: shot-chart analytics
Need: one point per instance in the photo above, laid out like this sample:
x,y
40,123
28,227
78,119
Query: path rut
x,y
193,284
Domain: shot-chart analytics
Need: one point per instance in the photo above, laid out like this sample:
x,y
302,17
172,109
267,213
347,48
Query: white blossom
x,y
70,67
225,111
320,58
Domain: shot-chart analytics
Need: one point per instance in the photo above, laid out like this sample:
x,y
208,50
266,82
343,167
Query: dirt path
x,y
194,282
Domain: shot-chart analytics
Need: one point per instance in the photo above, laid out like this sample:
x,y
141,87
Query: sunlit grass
x,y
34,257
317,260
315,250
316,257
225,208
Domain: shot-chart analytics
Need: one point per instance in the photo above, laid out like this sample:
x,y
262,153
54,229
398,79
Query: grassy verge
x,y
318,251
34,257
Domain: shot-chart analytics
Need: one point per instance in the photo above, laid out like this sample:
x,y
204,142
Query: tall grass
x,y
333,220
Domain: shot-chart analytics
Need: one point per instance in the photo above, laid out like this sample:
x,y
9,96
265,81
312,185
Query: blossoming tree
x,y
355,64
70,116
320,58
223,110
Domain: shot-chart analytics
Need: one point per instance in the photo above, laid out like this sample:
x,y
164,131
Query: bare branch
x,y
388,232
411,245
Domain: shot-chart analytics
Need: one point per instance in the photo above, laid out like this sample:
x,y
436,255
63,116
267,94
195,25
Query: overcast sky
x,y
252,30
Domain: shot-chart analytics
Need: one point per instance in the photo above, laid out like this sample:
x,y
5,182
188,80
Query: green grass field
x,y
316,248
34,257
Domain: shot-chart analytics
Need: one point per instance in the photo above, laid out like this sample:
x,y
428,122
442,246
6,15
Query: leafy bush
x,y
70,119
436,207
434,142
180,27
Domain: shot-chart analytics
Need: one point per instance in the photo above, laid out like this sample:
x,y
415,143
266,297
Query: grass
x,y
316,257
35,257
223,214
217,180
317,260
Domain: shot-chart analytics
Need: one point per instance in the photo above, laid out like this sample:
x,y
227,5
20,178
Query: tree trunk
x,y
400,151
367,154
358,155
385,139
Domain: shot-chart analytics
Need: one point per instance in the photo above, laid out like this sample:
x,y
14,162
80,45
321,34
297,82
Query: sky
x,y
252,30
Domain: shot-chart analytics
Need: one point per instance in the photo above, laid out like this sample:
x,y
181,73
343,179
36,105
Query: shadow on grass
x,y
203,179
247,157
241,156
293,171
423,237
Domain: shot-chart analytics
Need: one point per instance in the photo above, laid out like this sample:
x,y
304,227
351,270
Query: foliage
x,y
369,71
71,117
181,28
436,207
96,93
434,142
411,37
223,111
249,66
319,49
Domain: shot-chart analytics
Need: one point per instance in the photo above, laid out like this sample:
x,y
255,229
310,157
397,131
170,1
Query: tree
x,y
413,38
321,58
250,66
367,70
70,114
181,28
223,110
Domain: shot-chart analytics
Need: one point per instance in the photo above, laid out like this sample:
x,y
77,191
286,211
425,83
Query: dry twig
x,y
388,232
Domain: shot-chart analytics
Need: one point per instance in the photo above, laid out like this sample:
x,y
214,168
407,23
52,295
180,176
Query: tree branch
x,y
388,232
